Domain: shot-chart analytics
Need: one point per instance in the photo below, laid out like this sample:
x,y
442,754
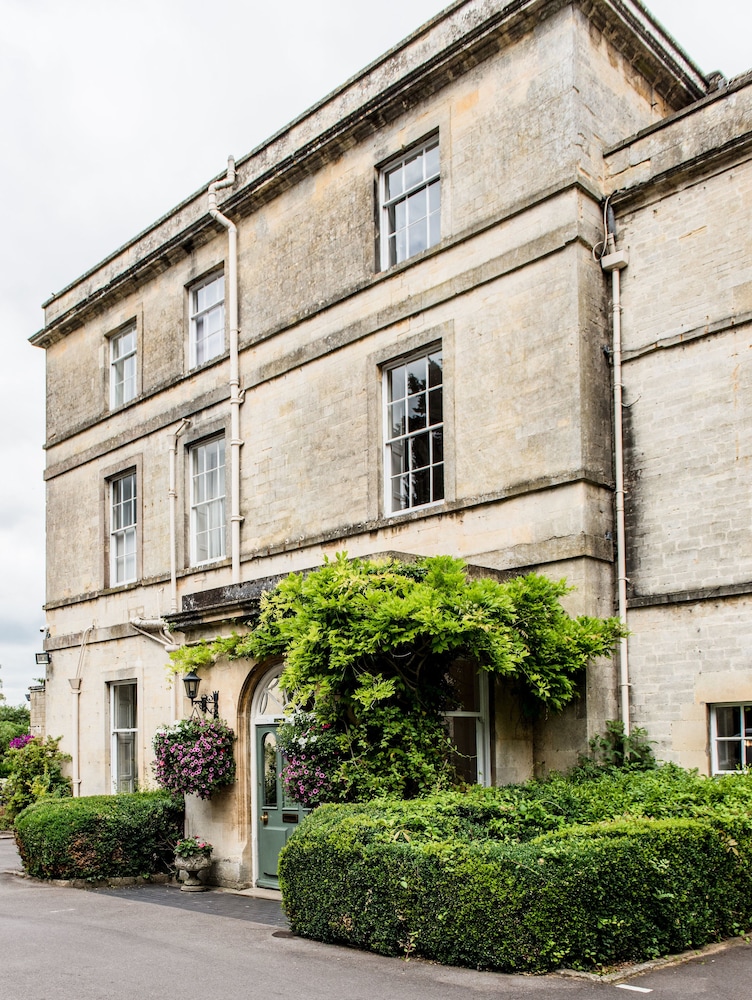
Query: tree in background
x,y
36,771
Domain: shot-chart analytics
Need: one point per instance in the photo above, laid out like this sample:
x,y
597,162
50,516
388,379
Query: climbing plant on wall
x,y
368,647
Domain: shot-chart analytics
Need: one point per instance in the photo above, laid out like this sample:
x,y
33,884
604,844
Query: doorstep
x,y
255,892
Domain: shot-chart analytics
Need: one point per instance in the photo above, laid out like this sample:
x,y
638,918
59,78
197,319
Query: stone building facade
x,y
388,329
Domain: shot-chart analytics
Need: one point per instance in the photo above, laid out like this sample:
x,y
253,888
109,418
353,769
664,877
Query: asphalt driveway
x,y
154,941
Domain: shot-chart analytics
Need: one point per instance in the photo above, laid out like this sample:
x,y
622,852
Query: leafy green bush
x,y
388,752
36,771
13,722
528,878
615,751
100,836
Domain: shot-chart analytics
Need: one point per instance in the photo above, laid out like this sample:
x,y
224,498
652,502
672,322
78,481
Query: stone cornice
x,y
452,43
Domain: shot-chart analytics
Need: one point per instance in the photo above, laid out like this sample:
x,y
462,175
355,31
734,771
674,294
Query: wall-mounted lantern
x,y
192,682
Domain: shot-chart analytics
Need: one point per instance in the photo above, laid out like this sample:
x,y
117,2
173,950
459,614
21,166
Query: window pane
x,y
417,206
399,458
434,197
400,493
270,769
437,446
417,236
413,170
416,375
728,721
432,160
396,381
729,755
273,699
438,482
434,229
400,246
416,414
463,733
435,407
421,487
465,683
399,216
394,184
396,419
420,451
435,364
125,706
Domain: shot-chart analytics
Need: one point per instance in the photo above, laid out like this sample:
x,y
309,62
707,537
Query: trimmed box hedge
x,y
453,878
100,836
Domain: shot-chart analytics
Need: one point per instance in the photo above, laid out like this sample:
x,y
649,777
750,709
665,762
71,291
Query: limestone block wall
x,y
38,711
690,465
685,658
687,325
104,662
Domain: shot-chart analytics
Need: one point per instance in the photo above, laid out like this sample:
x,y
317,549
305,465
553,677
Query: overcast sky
x,y
114,112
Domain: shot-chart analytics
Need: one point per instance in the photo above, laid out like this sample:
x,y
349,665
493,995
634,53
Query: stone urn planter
x,y
193,855
192,865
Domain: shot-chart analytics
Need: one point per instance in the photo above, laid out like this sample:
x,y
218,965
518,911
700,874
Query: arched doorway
x,y
273,815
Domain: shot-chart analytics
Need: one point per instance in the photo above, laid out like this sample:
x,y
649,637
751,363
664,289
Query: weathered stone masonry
x,y
542,109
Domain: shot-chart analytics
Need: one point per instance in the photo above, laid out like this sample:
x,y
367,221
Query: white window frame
x,y
482,730
207,319
407,226
401,445
744,739
208,494
123,530
120,737
123,375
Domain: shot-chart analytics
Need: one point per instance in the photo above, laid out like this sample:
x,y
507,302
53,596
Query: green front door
x,y
277,817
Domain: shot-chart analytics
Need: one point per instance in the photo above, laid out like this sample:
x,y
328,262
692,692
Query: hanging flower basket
x,y
195,757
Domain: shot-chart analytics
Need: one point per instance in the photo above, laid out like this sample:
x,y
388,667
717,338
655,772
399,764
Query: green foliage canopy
x,y
354,633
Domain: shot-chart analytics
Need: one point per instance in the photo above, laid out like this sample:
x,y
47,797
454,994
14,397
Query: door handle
x,y
264,818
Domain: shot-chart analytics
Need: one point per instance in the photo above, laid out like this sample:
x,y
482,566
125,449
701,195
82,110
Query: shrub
x,y
100,836
36,771
388,753
615,751
527,878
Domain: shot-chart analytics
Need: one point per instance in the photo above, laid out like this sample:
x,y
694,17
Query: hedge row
x,y
444,878
100,836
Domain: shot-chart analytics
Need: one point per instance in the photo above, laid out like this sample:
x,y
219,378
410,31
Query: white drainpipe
x,y
614,261
75,683
172,497
236,397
